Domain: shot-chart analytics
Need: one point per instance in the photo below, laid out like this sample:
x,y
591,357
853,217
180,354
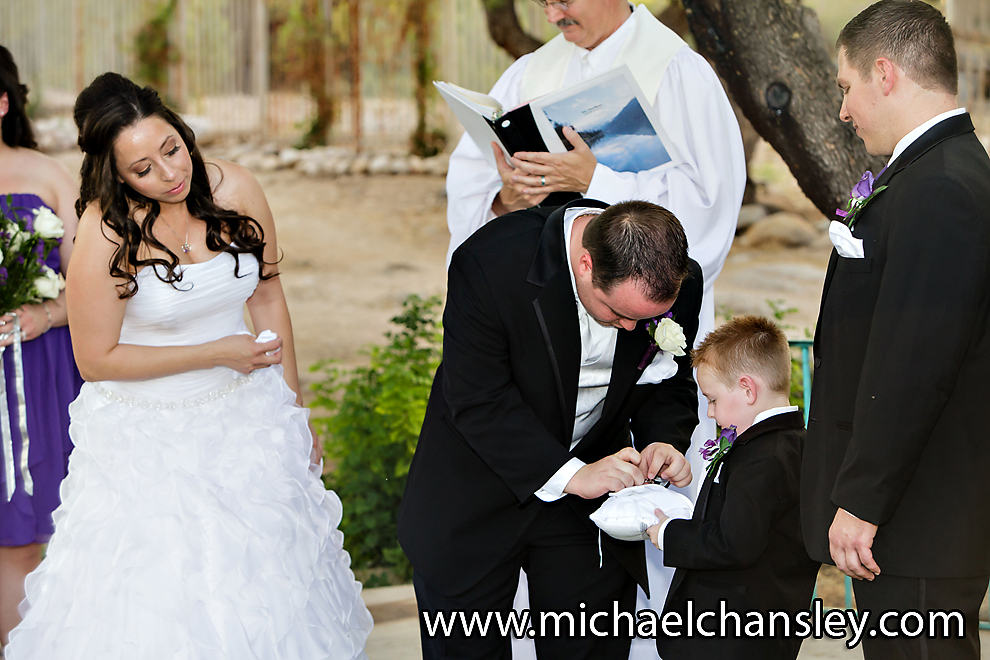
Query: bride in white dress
x,y
191,526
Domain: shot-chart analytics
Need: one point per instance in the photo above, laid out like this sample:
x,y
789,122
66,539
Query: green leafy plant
x,y
155,51
370,434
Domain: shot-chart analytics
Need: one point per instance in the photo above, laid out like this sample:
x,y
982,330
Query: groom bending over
x,y
547,368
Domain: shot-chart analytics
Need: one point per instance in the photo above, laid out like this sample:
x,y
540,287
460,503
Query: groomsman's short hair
x,y
747,345
640,241
912,34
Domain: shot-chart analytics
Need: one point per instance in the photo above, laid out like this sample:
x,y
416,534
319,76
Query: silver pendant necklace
x,y
185,244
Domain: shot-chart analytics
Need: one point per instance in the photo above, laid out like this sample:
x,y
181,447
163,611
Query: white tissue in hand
x,y
266,336
626,515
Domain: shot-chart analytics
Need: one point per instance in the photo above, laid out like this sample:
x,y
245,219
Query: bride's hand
x,y
242,353
317,452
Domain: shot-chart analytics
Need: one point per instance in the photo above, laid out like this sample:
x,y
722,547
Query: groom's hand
x,y
610,474
660,459
850,541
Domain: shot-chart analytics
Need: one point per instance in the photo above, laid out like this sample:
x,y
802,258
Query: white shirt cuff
x,y
553,489
663,528
610,186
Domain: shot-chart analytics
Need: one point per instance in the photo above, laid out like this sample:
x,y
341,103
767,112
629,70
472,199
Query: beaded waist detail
x,y
191,402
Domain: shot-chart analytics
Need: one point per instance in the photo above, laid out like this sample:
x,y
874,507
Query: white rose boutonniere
x,y
47,224
668,335
49,284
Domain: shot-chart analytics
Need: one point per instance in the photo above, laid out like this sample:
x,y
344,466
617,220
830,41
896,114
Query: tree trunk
x,y
354,58
774,60
315,74
504,28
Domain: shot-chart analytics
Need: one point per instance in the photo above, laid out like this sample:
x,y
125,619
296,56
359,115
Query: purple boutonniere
x,y
667,335
714,450
861,195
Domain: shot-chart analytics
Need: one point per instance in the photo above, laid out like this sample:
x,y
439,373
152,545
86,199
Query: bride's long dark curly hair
x,y
109,105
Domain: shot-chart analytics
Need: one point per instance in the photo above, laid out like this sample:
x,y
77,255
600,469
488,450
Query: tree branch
x,y
774,60
504,28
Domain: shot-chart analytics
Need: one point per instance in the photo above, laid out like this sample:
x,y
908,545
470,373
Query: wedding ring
x,y
543,180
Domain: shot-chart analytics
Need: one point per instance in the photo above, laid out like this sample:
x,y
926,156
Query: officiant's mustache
x,y
565,22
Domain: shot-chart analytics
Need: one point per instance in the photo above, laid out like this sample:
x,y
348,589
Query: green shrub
x,y
370,434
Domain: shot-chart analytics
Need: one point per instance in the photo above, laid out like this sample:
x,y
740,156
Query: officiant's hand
x,y
850,541
660,459
610,474
511,197
547,172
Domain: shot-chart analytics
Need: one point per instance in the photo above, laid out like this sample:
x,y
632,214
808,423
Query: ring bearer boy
x,y
743,545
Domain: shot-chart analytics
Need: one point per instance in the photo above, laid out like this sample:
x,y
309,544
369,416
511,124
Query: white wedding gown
x,y
191,527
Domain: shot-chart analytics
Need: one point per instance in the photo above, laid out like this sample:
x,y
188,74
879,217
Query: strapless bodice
x,y
207,304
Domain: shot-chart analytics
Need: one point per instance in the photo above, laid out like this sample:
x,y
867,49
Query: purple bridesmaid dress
x,y
51,383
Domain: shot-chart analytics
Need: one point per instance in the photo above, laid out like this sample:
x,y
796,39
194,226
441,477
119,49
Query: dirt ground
x,y
355,247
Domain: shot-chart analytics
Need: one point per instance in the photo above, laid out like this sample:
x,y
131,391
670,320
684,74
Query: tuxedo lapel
x,y
703,495
940,132
948,128
832,261
556,311
781,421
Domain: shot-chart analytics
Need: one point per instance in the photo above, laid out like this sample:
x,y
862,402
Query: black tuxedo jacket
x,y
897,434
500,416
743,545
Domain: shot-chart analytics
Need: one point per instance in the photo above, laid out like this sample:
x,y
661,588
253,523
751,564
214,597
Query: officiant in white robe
x,y
703,187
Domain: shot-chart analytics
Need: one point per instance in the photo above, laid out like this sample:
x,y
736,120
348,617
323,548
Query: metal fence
x,y
970,20
226,68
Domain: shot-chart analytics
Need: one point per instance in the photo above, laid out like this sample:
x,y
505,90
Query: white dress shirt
x,y
597,353
906,141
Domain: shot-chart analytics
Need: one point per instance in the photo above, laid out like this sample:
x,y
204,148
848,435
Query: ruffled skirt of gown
x,y
193,531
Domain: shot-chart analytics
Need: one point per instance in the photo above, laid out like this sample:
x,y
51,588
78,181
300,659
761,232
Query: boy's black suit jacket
x,y
743,545
897,433
500,416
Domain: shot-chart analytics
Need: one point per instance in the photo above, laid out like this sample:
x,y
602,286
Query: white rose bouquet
x,y
25,242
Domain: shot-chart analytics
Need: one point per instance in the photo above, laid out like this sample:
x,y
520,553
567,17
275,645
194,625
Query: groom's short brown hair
x,y
640,241
912,34
750,345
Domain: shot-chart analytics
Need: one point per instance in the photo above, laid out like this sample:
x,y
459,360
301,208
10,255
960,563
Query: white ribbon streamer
x,y
8,438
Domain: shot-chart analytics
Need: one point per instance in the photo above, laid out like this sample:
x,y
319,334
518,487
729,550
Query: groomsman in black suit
x,y
896,469
547,368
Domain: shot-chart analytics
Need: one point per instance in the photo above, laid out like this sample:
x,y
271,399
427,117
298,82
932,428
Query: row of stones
x,y
57,134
